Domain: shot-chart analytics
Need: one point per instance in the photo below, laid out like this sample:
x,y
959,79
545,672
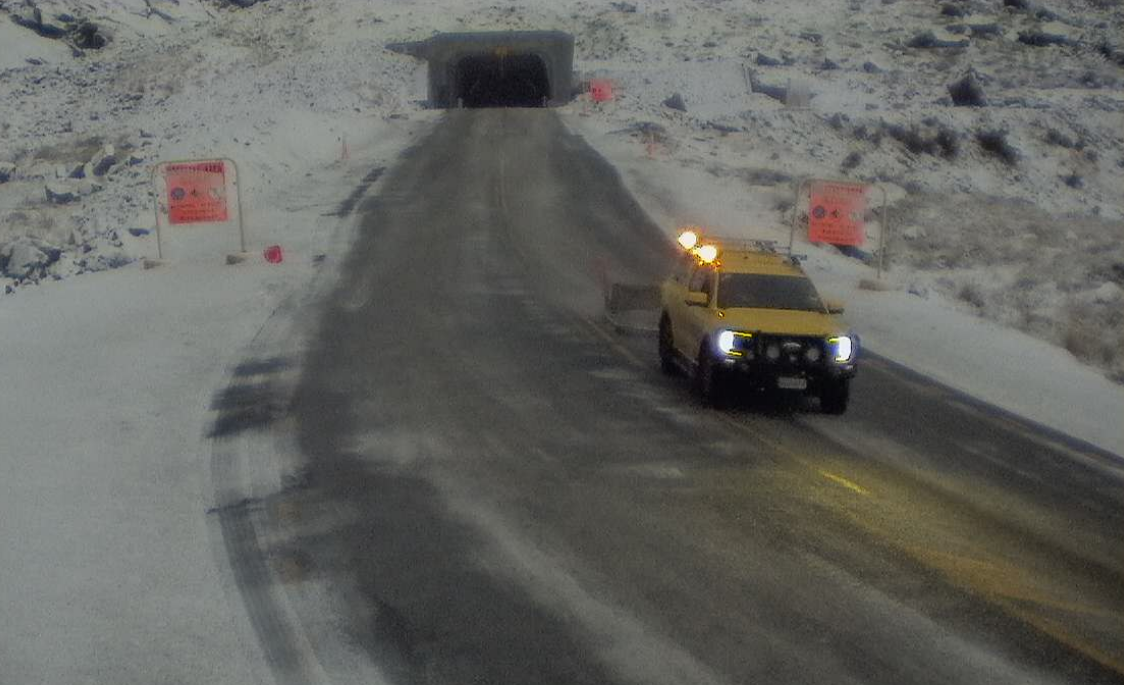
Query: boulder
x,y
60,193
31,17
21,258
68,191
676,102
764,60
104,161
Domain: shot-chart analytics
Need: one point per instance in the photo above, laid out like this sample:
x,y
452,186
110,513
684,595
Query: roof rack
x,y
755,245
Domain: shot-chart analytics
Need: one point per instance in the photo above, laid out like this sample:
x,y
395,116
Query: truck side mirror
x,y
833,306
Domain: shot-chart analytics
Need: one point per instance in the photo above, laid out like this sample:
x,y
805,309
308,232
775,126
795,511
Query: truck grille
x,y
789,352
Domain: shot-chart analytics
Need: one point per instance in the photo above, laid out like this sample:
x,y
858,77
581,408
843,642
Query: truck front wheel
x,y
835,395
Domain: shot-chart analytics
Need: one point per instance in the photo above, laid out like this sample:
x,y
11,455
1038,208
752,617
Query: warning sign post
x,y
837,214
201,191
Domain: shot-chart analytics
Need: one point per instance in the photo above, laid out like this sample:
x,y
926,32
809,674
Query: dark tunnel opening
x,y
503,80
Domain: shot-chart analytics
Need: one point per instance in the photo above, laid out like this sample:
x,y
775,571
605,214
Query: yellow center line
x,y
850,485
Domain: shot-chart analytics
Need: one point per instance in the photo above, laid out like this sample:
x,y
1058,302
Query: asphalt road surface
x,y
499,487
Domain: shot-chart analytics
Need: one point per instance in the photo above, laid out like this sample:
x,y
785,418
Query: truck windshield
x,y
767,291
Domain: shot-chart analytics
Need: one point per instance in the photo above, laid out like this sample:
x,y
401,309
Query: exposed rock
x,y
951,10
6,171
625,7
676,102
68,191
829,64
31,17
61,193
928,39
764,60
776,92
871,68
104,161
22,257
968,92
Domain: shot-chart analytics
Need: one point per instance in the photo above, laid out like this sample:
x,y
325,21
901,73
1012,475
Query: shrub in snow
x,y
995,142
1074,181
1056,137
971,293
967,91
88,36
985,30
944,142
1040,39
851,161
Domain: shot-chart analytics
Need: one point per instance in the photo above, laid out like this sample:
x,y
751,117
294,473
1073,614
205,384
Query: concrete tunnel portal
x,y
498,69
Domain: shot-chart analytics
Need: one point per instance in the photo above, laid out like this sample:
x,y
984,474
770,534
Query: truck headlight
x,y
843,348
726,342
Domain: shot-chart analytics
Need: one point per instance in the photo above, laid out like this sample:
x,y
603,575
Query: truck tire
x,y
667,348
835,395
707,382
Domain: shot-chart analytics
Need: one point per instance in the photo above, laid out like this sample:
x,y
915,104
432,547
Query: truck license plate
x,y
787,383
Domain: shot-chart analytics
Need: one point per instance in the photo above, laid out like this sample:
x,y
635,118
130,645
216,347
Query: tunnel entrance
x,y
501,80
497,68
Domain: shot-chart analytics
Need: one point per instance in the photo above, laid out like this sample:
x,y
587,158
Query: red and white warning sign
x,y
601,90
196,192
835,213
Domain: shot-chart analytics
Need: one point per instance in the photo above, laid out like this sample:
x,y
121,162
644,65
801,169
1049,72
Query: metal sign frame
x,y
156,203
884,223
